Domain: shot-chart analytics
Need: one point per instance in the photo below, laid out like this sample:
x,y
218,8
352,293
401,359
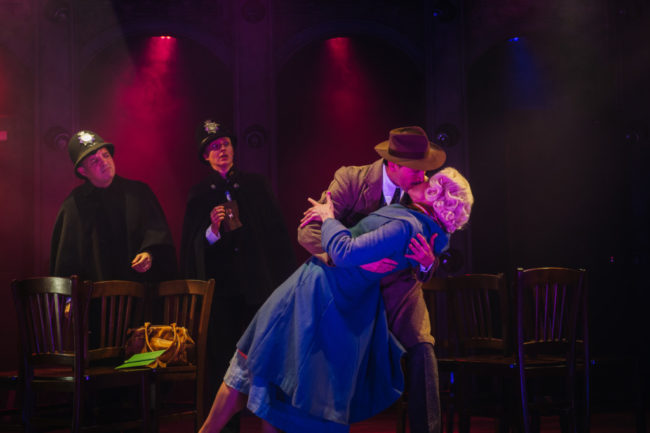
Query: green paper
x,y
141,359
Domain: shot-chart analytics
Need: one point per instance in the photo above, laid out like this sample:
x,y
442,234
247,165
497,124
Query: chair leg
x,y
504,424
523,395
200,405
155,406
401,418
566,424
145,391
640,420
638,400
450,419
463,384
77,411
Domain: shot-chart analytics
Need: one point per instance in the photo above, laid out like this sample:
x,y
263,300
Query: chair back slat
x,y
550,315
122,303
45,319
121,306
480,306
44,315
111,322
48,314
58,314
183,301
35,318
434,292
128,310
549,302
185,311
102,329
176,312
191,321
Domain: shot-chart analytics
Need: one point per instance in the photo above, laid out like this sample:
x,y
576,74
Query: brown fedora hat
x,y
410,147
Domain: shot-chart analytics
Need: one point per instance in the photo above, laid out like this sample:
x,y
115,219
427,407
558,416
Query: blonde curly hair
x,y
450,196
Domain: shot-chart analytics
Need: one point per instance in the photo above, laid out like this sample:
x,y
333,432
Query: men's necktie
x,y
396,196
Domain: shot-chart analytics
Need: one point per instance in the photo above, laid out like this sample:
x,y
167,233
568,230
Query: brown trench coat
x,y
356,191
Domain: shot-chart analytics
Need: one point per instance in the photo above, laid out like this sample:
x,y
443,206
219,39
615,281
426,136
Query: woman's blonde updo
x,y
450,197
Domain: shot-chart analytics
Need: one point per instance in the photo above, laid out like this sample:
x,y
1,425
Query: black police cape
x,y
99,231
250,261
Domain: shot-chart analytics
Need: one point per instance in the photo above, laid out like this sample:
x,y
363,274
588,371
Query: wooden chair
x,y
548,304
53,330
479,305
553,342
187,303
435,297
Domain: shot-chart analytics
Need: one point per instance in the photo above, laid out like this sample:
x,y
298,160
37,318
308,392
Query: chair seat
x,y
447,363
53,373
177,372
174,369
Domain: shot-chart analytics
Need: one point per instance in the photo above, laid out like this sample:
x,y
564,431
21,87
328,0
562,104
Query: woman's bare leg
x,y
268,428
227,403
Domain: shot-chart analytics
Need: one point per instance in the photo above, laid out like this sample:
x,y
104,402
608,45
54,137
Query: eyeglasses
x,y
218,144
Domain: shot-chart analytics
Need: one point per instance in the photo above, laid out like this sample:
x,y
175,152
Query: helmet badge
x,y
210,126
86,138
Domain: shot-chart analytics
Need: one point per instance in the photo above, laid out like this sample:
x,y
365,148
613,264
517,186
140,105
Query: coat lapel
x,y
371,191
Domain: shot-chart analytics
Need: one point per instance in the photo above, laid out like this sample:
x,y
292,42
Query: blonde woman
x,y
318,355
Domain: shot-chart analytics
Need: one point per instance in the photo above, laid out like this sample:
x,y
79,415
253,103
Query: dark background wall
x,y
550,101
348,96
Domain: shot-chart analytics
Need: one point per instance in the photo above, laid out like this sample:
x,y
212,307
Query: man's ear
x,y
81,171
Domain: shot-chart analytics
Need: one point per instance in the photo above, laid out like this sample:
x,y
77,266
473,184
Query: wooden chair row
x,y
500,346
72,335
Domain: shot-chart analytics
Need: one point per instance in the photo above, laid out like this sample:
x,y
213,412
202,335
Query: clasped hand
x,y
142,262
318,211
217,215
422,252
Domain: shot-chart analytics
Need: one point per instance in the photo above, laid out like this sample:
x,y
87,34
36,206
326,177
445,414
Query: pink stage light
x,y
339,48
161,47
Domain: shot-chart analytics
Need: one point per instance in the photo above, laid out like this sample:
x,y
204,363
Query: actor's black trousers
x,y
229,318
423,389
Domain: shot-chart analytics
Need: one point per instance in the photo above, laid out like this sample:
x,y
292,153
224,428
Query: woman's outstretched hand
x,y
422,250
318,211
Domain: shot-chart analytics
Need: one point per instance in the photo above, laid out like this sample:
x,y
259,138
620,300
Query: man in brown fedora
x,y
356,191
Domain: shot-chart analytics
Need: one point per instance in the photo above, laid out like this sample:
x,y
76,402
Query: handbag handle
x,y
175,342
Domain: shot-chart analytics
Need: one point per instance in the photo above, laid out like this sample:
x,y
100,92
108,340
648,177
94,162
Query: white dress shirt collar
x,y
388,187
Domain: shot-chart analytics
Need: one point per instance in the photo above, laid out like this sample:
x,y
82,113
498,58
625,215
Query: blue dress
x,y
319,355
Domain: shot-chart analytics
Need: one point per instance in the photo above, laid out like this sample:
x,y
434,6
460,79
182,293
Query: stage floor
x,y
386,423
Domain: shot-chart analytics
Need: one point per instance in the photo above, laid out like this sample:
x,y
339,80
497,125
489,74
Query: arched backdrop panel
x,y
148,97
554,181
17,194
337,98
538,151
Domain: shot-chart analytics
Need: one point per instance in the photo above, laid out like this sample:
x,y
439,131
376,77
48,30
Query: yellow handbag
x,y
175,340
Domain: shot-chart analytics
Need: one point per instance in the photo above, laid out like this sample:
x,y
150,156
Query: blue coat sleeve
x,y
388,240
